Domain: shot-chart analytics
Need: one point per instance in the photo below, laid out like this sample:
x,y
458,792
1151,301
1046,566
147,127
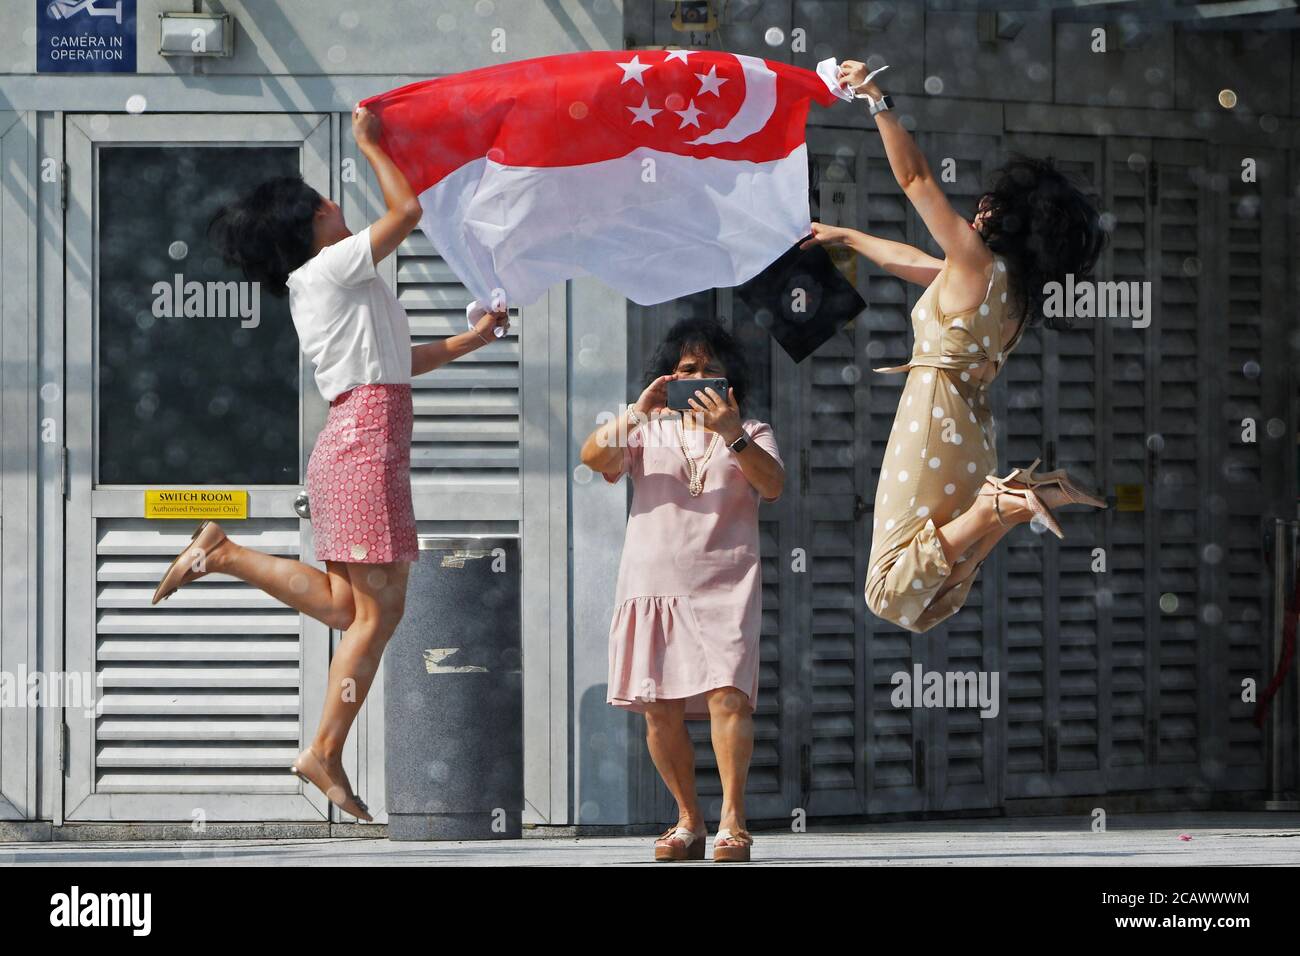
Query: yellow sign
x,y
1130,498
195,503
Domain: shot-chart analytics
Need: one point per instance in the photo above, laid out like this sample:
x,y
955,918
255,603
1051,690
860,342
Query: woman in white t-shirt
x,y
293,241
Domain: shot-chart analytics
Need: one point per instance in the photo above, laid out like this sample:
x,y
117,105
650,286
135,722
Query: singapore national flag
x,y
660,172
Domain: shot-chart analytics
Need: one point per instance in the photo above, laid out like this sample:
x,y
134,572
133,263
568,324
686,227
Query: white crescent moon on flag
x,y
754,112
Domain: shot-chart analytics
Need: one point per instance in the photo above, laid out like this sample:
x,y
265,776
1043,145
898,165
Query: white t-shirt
x,y
348,320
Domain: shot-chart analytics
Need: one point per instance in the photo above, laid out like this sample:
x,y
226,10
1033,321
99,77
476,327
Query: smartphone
x,y
682,389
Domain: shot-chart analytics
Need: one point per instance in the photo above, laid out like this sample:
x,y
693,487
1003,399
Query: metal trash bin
x,y
453,696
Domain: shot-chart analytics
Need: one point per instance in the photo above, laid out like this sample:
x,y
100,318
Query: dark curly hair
x,y
701,336
268,232
1045,226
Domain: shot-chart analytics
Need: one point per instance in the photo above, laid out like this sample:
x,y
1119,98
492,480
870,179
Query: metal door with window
x,y
203,697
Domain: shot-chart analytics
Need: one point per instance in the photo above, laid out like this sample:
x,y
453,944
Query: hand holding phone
x,y
682,390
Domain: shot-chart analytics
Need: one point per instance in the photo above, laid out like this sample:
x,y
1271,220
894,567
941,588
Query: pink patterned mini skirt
x,y
359,478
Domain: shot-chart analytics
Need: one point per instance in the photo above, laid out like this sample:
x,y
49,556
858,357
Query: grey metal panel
x,y
839,30
603,736
544,529
962,63
19,459
1138,76
1216,127
1255,64
48,219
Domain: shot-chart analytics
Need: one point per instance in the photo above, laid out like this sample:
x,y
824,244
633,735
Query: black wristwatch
x,y
740,444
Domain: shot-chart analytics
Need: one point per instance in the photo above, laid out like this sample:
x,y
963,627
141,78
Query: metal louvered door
x,y
833,532
1158,464
964,747
896,747
1252,361
177,380
1056,592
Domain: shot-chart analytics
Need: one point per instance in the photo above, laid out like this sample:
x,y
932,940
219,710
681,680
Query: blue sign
x,y
85,36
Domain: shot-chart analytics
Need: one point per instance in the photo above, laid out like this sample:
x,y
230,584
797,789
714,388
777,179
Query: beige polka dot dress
x,y
941,447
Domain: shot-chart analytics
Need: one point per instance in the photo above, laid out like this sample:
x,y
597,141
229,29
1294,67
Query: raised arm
x,y
897,258
963,248
403,214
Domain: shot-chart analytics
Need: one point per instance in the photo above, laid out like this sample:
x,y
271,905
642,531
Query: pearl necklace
x,y
694,468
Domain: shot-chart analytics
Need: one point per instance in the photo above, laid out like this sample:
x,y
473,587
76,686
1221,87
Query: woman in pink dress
x,y
293,241
684,641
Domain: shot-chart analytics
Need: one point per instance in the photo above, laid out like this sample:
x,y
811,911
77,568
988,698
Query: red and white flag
x,y
660,172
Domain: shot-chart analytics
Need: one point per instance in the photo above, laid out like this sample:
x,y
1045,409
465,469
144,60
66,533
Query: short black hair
x,y
706,336
268,232
1045,224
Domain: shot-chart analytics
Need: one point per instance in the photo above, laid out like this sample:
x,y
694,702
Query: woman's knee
x,y
378,598
876,592
343,610
728,702
663,715
896,611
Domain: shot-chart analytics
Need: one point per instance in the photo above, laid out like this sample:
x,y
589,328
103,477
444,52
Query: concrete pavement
x,y
1219,839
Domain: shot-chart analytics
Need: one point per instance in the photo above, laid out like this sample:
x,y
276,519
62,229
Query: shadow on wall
x,y
604,784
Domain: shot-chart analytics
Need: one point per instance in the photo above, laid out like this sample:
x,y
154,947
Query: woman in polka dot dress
x,y
940,509
294,241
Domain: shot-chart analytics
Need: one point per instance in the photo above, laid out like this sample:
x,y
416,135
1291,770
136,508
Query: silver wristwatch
x,y
740,444
886,102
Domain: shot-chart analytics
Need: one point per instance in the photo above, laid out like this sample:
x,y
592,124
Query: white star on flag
x,y
678,55
711,82
643,113
633,69
690,116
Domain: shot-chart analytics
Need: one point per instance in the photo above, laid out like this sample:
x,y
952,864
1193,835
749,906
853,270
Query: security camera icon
x,y
66,9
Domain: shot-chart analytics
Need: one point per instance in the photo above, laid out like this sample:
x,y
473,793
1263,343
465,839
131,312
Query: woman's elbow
x,y
775,487
590,455
411,213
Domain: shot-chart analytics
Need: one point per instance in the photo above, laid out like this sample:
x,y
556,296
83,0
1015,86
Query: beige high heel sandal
x,y
732,846
309,768
691,848
1058,479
